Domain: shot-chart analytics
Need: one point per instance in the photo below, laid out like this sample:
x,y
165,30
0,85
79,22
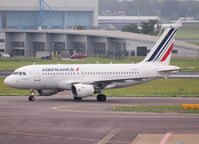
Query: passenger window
x,y
20,73
24,73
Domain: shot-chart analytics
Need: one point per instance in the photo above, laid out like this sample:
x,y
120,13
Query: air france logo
x,y
59,69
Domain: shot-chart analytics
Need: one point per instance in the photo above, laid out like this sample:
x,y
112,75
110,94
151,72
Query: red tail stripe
x,y
167,53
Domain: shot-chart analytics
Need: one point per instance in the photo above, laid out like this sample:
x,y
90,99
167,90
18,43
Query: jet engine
x,y
46,92
82,90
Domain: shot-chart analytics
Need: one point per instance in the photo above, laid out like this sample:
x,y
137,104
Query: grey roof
x,y
126,18
56,5
110,34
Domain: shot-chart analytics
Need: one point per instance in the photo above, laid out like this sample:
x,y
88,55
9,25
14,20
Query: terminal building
x,y
48,14
99,43
29,27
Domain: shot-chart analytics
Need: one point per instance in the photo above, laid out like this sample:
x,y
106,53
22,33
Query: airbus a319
x,y
84,80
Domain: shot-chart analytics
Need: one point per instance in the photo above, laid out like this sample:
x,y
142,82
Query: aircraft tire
x,y
101,97
31,98
77,98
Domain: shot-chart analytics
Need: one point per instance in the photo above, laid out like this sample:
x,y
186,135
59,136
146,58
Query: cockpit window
x,y
19,73
14,73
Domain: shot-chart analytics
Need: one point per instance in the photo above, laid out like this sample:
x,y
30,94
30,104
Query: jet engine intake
x,y
82,90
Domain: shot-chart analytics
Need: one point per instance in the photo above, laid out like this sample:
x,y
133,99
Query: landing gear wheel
x,y
101,98
77,98
31,98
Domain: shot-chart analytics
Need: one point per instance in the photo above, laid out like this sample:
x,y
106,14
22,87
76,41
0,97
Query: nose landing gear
x,y
31,97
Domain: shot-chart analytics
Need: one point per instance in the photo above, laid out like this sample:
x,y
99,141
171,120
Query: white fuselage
x,y
61,76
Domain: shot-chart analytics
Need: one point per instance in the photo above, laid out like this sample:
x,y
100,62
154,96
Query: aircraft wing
x,y
102,83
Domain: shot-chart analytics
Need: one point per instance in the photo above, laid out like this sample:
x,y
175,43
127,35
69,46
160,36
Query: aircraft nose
x,y
8,81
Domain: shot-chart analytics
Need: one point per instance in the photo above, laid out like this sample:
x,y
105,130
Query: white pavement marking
x,y
165,138
109,136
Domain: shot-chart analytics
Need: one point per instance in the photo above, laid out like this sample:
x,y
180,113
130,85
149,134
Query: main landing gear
x,y
31,97
101,98
77,98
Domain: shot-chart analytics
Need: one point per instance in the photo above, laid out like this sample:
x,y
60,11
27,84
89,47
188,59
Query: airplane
x,y
85,80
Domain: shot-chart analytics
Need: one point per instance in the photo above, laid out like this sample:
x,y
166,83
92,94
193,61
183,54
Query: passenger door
x,y
37,74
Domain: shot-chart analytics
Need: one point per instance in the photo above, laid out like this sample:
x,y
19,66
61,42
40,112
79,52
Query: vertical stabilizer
x,y
161,51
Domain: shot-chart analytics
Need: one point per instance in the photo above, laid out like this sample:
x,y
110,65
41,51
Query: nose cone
x,y
8,81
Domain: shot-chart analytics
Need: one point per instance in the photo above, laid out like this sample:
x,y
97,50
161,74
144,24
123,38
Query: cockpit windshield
x,y
18,73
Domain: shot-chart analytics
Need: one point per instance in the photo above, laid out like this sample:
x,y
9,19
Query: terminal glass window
x,y
79,47
18,48
141,51
100,49
18,44
118,49
58,47
2,40
38,46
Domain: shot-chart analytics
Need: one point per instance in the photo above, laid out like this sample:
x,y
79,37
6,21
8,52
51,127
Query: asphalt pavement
x,y
61,120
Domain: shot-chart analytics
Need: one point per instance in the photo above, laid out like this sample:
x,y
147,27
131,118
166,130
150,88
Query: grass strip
x,y
157,88
161,88
155,109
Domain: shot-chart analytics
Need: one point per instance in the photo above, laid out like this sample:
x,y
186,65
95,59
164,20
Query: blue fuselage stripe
x,y
165,45
161,44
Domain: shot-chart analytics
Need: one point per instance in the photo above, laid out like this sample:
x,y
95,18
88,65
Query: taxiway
x,y
61,120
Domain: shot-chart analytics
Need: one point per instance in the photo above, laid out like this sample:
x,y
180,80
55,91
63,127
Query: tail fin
x,y
161,51
179,22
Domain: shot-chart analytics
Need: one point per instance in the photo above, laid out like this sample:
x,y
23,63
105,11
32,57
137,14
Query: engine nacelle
x,y
46,92
82,90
